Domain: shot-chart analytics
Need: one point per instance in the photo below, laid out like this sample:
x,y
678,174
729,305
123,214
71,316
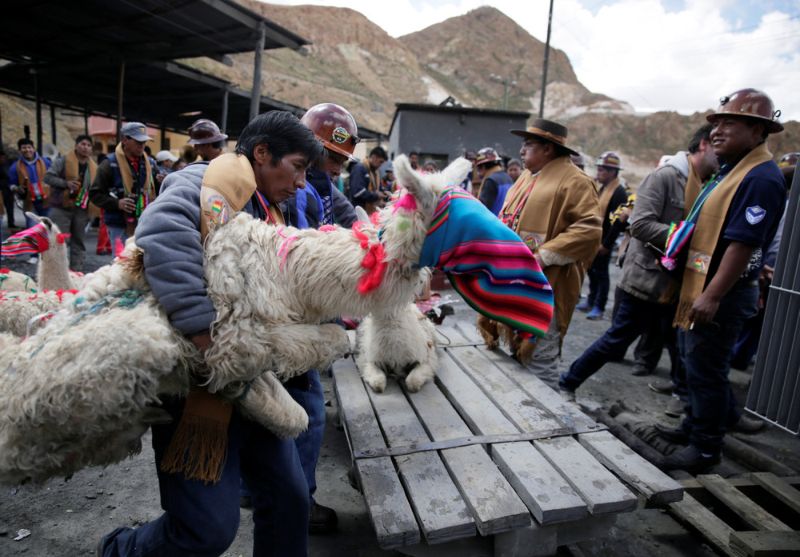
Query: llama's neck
x,y
53,271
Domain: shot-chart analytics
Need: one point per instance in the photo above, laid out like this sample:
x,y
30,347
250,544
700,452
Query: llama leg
x,y
488,330
298,348
418,377
269,404
373,376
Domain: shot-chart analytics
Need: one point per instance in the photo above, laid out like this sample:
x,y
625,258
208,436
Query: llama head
x,y
55,237
405,222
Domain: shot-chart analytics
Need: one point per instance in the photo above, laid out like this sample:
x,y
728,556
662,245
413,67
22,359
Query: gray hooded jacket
x,y
659,201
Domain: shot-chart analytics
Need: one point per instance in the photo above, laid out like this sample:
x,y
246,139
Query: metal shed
x,y
442,133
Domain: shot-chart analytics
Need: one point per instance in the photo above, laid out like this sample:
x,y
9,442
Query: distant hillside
x,y
355,63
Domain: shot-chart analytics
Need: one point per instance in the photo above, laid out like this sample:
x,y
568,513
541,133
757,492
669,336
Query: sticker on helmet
x,y
340,135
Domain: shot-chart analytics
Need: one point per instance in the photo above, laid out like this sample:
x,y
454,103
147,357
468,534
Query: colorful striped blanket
x,y
488,264
30,241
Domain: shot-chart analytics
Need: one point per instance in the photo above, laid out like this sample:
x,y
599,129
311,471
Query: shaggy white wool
x,y
402,344
18,282
78,391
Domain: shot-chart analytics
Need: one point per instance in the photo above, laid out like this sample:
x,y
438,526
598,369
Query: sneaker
x,y
690,459
675,407
322,520
661,386
566,394
584,306
595,314
746,424
672,434
33,260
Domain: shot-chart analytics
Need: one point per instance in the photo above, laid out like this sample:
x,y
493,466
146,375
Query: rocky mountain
x,y
355,63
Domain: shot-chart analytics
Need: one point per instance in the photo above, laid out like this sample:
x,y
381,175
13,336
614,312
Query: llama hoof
x,y
377,384
414,383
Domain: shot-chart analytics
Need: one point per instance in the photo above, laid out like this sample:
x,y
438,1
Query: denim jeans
x,y
633,316
599,281
39,208
309,443
201,519
706,351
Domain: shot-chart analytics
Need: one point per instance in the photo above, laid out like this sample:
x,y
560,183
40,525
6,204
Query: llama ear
x,y
456,171
408,178
361,214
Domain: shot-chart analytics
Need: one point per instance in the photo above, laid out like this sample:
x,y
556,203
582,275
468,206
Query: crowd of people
x,y
698,245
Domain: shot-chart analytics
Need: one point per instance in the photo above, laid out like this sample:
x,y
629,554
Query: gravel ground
x,y
66,518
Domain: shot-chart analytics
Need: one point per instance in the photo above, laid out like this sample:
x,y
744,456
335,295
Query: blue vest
x,y
504,183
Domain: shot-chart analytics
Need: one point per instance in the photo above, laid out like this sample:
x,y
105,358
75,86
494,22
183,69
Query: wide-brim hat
x,y
549,131
205,131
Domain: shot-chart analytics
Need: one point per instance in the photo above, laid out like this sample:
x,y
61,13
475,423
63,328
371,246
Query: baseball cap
x,y
162,156
136,131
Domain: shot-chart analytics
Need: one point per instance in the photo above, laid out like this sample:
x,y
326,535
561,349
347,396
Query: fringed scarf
x,y
147,192
488,264
712,211
71,174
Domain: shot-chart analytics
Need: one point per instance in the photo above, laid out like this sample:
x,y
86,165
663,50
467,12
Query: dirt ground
x,y
66,518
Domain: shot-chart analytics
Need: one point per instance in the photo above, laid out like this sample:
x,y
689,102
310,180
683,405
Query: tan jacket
x,y
559,221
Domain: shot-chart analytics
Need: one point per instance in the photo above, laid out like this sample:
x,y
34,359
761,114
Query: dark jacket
x,y
359,186
320,202
611,233
107,189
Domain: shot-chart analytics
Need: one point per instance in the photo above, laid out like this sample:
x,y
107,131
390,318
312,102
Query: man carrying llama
x,y
207,448
320,203
553,208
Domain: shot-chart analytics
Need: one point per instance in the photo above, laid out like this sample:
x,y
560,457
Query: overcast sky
x,y
655,54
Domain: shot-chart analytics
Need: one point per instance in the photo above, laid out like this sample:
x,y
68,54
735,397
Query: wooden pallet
x,y
487,456
757,515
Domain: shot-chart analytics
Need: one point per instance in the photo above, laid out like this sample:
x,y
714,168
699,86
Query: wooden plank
x,y
704,521
637,472
648,480
766,544
598,487
493,502
540,486
437,503
389,509
745,481
779,488
744,507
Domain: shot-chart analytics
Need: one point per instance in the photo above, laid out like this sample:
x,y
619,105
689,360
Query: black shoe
x,y
641,371
690,459
245,502
323,520
747,424
673,435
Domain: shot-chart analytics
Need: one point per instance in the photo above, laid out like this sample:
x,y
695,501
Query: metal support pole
x,y
38,111
162,139
53,124
255,96
85,122
119,98
546,60
223,120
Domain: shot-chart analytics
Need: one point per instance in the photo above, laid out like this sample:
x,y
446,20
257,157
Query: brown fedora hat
x,y
549,131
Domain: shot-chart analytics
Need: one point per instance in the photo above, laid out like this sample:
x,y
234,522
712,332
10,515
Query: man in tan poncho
x,y
553,208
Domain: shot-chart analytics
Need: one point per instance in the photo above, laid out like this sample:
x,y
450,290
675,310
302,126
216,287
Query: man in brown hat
x,y
611,194
729,222
553,208
206,138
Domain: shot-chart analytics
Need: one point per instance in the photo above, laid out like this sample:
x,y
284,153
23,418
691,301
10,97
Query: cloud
x,y
654,54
